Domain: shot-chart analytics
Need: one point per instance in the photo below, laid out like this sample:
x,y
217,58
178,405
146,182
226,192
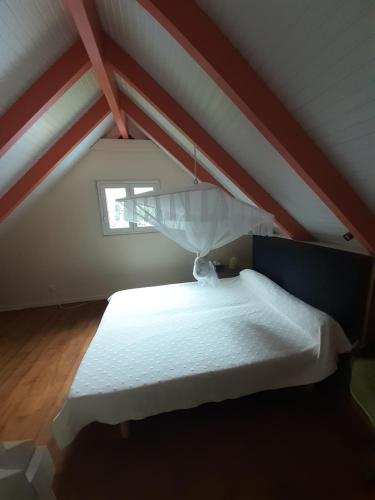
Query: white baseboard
x,y
51,302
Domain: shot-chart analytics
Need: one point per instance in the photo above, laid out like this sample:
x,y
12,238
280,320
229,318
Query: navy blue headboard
x,y
334,281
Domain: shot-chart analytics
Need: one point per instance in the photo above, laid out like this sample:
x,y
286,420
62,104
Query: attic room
x,y
187,240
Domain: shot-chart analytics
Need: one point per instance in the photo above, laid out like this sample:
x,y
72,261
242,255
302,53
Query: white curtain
x,y
199,219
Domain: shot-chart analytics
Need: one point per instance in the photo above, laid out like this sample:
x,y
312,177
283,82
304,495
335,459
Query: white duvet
x,y
169,347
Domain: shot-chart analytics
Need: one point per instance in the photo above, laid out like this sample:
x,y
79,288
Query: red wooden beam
x,y
131,72
207,45
85,17
164,141
42,94
34,176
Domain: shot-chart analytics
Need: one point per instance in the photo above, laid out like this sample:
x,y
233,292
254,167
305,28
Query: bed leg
x,y
124,430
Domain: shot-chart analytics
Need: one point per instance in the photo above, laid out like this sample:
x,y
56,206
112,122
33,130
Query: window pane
x,y
143,189
116,217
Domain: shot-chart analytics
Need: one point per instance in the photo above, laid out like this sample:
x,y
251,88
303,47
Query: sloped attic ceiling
x,y
164,59
319,58
316,56
61,169
47,129
33,36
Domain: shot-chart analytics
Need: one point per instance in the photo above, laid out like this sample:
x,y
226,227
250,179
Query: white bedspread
x,y
177,346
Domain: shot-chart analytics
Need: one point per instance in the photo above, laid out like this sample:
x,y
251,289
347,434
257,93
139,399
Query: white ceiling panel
x,y
181,140
45,131
33,34
140,35
60,170
311,221
318,56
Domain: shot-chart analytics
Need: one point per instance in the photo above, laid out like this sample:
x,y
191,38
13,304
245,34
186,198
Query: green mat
x,y
362,385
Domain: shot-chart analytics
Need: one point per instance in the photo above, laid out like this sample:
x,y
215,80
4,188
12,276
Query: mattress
x,y
177,346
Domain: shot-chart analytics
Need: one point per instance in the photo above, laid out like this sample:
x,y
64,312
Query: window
x,y
112,213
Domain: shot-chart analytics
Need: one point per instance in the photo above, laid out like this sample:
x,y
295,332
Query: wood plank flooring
x,y
40,350
290,444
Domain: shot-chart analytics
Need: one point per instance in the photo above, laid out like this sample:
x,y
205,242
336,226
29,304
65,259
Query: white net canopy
x,y
199,219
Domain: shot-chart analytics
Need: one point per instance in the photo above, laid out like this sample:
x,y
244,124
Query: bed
x,y
172,347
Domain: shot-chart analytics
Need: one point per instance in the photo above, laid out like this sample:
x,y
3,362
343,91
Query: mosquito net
x,y
199,219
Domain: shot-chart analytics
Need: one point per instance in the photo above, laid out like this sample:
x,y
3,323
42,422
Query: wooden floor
x,y
292,444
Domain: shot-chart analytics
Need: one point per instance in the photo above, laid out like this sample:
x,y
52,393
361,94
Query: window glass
x,y
112,213
142,189
115,210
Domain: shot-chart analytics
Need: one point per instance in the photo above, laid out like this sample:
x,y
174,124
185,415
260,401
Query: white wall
x,y
59,240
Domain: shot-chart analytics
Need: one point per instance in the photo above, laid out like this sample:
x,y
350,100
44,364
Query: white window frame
x,y
129,187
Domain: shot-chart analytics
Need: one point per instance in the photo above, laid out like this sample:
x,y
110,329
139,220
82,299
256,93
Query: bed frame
x,y
334,281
